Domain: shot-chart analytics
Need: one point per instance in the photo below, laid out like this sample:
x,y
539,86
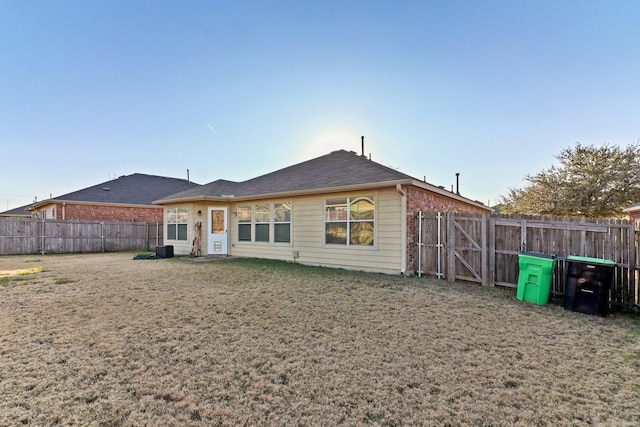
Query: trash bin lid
x,y
538,254
591,260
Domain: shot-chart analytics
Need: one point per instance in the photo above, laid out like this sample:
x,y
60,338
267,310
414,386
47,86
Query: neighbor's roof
x,y
21,211
339,170
135,189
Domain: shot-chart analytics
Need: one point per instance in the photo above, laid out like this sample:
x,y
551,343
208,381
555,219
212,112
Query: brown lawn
x,y
107,340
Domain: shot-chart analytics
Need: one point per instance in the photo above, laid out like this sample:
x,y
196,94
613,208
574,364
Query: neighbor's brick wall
x,y
109,213
634,217
427,201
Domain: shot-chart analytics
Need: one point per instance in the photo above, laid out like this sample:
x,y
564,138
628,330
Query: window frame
x,y
178,219
262,221
244,221
279,224
341,217
270,220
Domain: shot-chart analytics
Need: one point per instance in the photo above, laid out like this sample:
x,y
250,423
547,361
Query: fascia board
x,y
326,190
232,198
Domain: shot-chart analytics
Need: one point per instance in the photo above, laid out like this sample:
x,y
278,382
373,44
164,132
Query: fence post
x,y
419,243
484,255
451,247
632,264
491,269
523,236
440,246
42,231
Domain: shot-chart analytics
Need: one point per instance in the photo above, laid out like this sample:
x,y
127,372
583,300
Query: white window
x,y
177,223
244,223
350,221
265,222
282,222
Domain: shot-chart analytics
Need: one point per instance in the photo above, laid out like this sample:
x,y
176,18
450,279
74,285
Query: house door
x,y
218,237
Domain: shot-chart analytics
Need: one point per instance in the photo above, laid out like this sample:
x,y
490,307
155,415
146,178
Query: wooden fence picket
x,y
33,235
486,248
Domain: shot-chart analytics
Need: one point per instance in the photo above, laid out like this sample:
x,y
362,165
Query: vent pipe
x,y
362,146
188,180
458,183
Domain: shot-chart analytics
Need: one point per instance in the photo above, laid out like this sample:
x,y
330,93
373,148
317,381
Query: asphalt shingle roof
x,y
135,189
336,169
19,211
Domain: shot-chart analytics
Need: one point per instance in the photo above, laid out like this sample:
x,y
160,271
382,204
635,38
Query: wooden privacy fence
x,y
33,235
485,248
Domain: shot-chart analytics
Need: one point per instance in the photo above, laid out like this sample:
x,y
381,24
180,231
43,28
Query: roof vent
x,y
106,189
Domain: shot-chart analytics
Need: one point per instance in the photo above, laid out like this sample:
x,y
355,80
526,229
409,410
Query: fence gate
x,y
453,246
485,248
467,250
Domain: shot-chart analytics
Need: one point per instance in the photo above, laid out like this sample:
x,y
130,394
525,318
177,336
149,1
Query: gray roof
x,y
17,212
337,169
135,189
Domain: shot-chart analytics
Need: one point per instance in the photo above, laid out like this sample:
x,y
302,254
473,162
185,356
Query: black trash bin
x,y
587,285
164,251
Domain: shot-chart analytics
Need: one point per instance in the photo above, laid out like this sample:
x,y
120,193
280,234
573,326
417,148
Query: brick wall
x,y
419,199
109,213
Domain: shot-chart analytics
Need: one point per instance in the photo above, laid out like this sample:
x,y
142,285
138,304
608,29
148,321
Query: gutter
x,y
229,198
408,181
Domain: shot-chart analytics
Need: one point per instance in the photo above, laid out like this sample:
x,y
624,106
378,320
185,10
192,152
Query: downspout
x,y
403,262
64,210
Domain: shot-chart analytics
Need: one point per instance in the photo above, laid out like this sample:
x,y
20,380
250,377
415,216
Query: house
x,y
127,198
634,213
338,210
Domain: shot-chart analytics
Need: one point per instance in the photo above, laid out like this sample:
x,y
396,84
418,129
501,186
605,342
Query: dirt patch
x,y
107,340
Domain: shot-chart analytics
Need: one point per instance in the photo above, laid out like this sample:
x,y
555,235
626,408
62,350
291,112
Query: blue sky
x,y
90,90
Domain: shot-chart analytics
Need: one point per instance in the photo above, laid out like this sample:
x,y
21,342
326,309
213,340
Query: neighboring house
x,y
339,210
634,214
127,198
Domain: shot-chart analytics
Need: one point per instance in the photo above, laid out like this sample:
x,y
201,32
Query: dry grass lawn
x,y
103,339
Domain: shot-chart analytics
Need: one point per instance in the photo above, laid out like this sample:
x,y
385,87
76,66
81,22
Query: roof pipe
x,y
403,257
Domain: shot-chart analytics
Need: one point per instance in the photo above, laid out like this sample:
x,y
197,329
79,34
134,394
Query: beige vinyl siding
x,y
282,251
308,233
181,247
204,219
386,253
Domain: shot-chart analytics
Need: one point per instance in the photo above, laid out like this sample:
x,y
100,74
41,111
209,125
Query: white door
x,y
217,237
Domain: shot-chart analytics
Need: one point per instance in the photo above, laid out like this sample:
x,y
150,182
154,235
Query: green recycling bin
x,y
534,279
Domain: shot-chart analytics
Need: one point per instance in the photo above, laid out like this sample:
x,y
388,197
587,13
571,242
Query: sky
x,y
490,89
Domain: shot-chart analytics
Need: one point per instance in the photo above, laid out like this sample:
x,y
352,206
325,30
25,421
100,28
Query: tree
x,y
589,181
